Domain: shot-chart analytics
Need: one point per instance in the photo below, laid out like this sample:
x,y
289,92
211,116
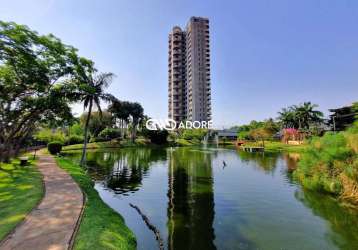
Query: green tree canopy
x,y
120,110
127,112
33,70
258,129
90,88
355,108
98,122
301,116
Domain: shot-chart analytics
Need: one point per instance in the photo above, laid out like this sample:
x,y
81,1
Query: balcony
x,y
177,38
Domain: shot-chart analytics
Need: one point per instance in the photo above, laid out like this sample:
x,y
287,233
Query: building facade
x,y
189,93
342,118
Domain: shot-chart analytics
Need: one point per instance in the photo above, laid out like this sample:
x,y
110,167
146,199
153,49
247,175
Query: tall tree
x,y
92,91
300,116
98,121
32,90
120,110
355,109
287,118
306,115
137,113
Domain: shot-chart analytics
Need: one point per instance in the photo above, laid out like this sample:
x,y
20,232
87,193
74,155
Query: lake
x,y
215,198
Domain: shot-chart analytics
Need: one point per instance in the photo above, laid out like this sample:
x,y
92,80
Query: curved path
x,y
52,224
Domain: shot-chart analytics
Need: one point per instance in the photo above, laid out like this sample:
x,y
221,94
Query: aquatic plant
x,y
330,164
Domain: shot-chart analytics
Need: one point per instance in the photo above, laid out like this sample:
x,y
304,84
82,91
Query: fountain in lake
x,y
216,139
205,140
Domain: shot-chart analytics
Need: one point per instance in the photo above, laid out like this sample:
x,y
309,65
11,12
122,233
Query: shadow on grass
x,y
20,190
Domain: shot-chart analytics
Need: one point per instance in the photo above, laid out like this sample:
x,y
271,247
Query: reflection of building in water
x,y
191,200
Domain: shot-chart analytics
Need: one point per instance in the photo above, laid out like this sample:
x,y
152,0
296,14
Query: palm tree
x,y
300,116
91,93
136,113
287,117
120,110
306,114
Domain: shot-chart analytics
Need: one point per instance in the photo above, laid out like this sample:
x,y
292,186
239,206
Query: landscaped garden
x,y
40,78
190,194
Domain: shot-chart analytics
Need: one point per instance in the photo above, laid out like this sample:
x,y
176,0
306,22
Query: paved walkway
x,y
53,222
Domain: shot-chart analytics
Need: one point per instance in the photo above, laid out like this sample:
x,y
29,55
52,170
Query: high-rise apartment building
x,y
189,92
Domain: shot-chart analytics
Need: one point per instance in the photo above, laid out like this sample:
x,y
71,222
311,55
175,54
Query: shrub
x,y
194,134
157,136
74,139
76,129
183,142
54,147
48,135
330,164
97,139
109,133
97,122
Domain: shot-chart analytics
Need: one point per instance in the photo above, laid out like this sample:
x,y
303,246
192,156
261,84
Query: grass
x,y
101,227
330,164
20,190
93,145
183,142
277,146
270,146
107,144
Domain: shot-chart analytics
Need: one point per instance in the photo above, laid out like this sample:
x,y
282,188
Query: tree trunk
x,y
5,155
83,158
134,127
125,129
121,127
123,132
7,152
135,133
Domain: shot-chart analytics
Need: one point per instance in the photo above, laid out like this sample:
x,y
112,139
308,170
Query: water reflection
x,y
130,168
252,203
291,160
264,161
342,220
190,200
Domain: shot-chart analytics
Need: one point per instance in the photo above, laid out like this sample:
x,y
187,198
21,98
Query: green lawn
x,y
20,190
107,144
276,146
183,142
101,227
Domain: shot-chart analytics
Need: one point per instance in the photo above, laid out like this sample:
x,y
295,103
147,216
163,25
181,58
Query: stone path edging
x,y
53,223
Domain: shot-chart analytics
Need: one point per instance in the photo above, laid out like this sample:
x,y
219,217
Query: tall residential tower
x,y
189,92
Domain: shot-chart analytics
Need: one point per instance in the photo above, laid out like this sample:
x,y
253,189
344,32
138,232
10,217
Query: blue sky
x,y
265,55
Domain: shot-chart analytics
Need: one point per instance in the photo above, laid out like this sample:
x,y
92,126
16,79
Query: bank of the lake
x,y
101,227
108,144
278,146
330,164
270,146
20,191
197,201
